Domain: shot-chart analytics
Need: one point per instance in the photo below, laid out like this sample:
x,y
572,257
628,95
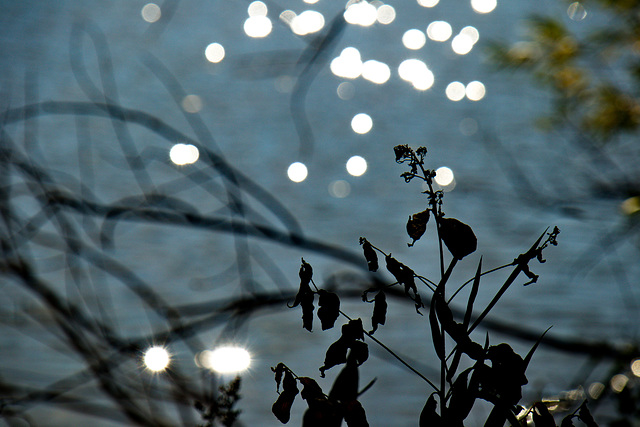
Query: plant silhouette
x,y
496,373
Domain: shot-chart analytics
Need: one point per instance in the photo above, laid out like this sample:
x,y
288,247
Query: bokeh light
x,y
214,52
444,176
310,1
417,73
361,13
576,11
472,33
361,123
386,14
376,71
297,172
462,44
619,382
635,367
156,359
257,26
414,39
455,91
225,359
484,6
346,91
428,3
287,16
475,90
348,65
439,31
595,390
192,103
356,166
184,154
151,12
339,189
257,8
307,22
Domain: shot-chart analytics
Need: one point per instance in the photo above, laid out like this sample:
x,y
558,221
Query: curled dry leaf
x,y
369,254
354,414
282,406
329,308
417,225
429,417
379,311
458,237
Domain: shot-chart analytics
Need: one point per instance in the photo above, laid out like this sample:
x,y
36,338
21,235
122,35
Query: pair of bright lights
x,y
224,360
356,166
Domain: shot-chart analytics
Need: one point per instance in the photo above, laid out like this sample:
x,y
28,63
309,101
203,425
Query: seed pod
x,y
379,311
369,254
329,308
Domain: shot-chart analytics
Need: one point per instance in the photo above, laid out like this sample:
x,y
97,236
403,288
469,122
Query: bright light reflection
x,y
214,53
484,6
361,13
257,26
414,39
346,91
417,73
386,14
311,1
151,12
184,154
225,360
156,359
361,123
348,65
462,44
455,91
339,189
595,390
635,367
576,11
444,176
307,22
475,91
297,172
619,382
376,71
428,3
472,33
192,103
439,31
356,166
257,8
287,16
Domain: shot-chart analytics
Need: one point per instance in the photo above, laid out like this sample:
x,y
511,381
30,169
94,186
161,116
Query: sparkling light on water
x,y
257,8
361,123
386,14
348,65
356,166
297,172
376,71
184,154
151,12
462,44
455,91
417,73
339,189
484,6
346,91
214,52
156,359
428,3
257,26
414,39
225,360
439,31
475,90
361,13
307,22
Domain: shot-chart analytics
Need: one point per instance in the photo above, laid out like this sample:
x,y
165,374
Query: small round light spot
x,y
414,39
346,91
184,154
428,3
225,360
386,14
361,13
619,382
376,72
475,91
444,176
156,359
356,166
439,31
297,172
462,44
361,123
455,91
635,367
192,103
339,189
576,11
151,12
214,53
257,8
257,26
483,6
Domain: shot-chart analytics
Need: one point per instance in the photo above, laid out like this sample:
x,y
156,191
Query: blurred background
x,y
165,166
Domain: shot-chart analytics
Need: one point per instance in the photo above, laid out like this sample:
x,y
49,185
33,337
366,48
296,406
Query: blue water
x,y
583,292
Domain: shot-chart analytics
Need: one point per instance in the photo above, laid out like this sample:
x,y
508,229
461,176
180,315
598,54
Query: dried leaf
x,y
310,389
359,352
353,330
345,387
279,370
541,416
282,406
379,311
307,311
369,254
329,308
289,383
567,421
462,398
436,335
417,225
429,417
458,237
585,415
336,354
354,414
